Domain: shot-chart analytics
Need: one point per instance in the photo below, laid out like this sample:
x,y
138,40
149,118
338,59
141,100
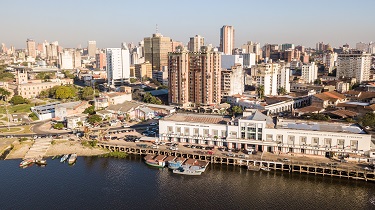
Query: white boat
x,y
198,168
265,169
41,162
187,171
27,162
64,158
73,158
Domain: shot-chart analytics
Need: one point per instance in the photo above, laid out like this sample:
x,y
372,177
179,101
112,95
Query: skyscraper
x,y
31,48
195,43
227,39
118,65
194,78
156,50
91,48
354,64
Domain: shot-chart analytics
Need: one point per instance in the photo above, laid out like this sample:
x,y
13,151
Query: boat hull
x,y
187,172
155,164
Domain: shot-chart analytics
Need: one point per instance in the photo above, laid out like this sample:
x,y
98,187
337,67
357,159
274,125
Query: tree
x,y
87,93
260,91
133,80
90,110
367,120
17,99
94,119
44,94
58,126
148,98
4,93
318,81
64,92
237,110
68,74
281,91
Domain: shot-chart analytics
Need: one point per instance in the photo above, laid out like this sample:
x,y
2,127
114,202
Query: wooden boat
x,y
41,162
187,171
26,162
64,158
155,163
198,168
73,158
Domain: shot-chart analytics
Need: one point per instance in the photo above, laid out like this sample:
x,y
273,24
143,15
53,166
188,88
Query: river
x,y
106,183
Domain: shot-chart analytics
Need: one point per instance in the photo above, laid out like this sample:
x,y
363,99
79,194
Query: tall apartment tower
x,y
227,39
91,48
194,78
354,64
156,50
196,43
31,48
118,65
309,72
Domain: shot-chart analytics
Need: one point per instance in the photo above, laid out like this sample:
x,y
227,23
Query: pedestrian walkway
x,y
39,148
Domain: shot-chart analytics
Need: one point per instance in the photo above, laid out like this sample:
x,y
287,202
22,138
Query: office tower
x,y
156,50
194,78
232,81
31,48
309,72
354,64
118,65
101,61
252,47
271,76
227,39
91,48
249,59
195,43
287,46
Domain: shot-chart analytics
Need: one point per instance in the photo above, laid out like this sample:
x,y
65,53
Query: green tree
x,y
44,94
237,110
4,93
17,99
90,110
367,120
87,93
94,119
148,98
6,77
58,126
260,91
68,74
65,92
318,81
281,91
133,80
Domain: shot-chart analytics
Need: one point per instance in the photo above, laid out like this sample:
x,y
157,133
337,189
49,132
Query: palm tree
x,y
260,91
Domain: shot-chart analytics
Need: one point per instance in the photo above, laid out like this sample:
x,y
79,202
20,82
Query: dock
x,y
290,167
39,148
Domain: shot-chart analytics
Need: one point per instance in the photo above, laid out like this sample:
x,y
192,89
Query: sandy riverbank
x,y
59,147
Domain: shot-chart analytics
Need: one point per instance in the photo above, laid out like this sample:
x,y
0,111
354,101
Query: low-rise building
x,y
145,113
45,112
327,99
69,109
72,122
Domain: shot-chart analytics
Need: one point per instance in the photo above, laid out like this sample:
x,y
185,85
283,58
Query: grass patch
x,y
115,154
5,130
20,108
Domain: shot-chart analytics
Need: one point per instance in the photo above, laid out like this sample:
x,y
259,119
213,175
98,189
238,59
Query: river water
x,y
105,183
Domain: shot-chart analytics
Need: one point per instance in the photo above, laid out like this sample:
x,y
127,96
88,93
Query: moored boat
x,y
41,162
26,162
265,169
73,158
155,163
174,164
198,168
64,158
186,171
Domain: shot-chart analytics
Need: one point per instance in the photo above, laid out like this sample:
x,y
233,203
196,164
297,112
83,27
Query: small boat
x,y
27,162
155,163
55,157
174,164
253,168
265,169
64,158
73,158
186,171
41,162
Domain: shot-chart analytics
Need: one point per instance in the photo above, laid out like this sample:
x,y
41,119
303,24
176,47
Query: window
x,y
302,140
215,133
340,143
170,129
315,141
269,137
205,132
187,132
327,142
196,131
178,130
223,133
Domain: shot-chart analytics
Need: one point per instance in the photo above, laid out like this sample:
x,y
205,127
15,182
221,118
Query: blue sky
x,y
110,22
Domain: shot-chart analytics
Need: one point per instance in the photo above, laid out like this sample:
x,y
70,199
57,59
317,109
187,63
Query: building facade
x,y
309,72
143,70
118,65
227,39
91,48
232,81
156,50
194,78
31,48
195,43
354,65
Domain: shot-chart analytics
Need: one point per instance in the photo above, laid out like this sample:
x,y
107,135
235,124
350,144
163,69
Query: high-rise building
x,y
91,48
309,72
31,48
101,61
227,39
194,78
143,70
118,65
232,81
196,43
156,50
70,59
287,46
251,47
271,76
329,59
354,64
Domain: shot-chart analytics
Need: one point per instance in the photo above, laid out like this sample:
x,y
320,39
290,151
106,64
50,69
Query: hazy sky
x,y
110,22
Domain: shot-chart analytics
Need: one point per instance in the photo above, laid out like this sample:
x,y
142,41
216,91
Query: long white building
x,y
118,64
257,132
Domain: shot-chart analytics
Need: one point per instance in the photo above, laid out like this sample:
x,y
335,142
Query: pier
x,y
290,167
39,148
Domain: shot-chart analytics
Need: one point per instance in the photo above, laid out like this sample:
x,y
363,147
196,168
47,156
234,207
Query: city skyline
x,y
111,23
